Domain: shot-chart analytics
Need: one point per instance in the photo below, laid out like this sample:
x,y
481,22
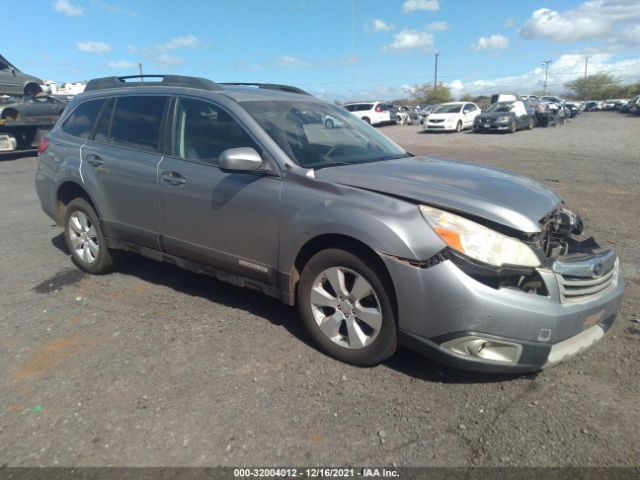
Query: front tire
x,y
367,120
85,239
459,126
346,307
513,127
531,124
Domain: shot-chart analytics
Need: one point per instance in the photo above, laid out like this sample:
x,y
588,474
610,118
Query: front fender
x,y
386,224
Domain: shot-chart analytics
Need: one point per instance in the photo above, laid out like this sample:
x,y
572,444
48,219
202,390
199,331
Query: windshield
x,y
499,107
317,135
455,108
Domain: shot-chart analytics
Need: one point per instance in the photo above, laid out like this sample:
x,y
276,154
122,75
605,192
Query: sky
x,y
335,49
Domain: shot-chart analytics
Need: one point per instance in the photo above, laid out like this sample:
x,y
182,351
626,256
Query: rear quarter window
x,y
80,122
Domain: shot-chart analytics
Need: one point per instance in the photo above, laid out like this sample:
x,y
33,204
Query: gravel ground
x,y
156,366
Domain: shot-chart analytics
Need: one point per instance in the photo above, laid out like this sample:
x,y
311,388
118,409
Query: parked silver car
x,y
477,267
14,82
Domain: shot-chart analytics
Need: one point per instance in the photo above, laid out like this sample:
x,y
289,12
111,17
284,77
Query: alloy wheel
x,y
83,237
346,308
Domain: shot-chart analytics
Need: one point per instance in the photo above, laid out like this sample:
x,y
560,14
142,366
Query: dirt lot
x,y
156,366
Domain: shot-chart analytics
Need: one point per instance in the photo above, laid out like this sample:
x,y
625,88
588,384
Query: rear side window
x,y
80,122
136,122
202,131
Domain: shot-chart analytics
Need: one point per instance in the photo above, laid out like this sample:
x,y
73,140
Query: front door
x,y
227,220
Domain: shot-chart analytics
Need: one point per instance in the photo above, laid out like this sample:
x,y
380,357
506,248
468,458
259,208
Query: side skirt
x,y
196,267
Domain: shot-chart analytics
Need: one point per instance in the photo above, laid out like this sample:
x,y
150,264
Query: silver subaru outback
x,y
476,267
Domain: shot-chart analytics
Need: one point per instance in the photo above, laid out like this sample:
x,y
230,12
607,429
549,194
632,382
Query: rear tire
x,y
364,338
85,239
31,90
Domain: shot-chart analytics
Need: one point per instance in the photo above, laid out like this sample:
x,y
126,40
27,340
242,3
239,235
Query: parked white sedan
x,y
454,116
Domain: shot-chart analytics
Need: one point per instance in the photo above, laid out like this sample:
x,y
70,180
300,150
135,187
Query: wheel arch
x,y
9,112
344,242
67,191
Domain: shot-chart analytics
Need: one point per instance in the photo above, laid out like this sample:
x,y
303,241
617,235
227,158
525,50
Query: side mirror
x,y
244,159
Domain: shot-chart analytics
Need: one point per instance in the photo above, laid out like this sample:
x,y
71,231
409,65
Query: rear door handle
x,y
94,160
173,178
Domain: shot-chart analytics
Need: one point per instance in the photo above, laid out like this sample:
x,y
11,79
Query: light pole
x,y
546,64
435,73
586,62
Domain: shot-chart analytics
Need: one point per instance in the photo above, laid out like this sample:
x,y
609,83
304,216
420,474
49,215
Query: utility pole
x,y
586,62
435,74
546,64
140,68
353,48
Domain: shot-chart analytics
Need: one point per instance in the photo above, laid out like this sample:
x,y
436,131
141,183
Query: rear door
x,y
227,220
121,160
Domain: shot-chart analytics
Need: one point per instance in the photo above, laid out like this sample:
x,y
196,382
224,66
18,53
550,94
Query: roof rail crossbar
x,y
165,81
271,86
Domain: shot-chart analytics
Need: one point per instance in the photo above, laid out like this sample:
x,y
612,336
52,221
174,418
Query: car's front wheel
x,y
346,306
85,239
459,126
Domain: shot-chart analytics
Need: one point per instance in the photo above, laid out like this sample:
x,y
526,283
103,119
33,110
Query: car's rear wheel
x,y
346,306
85,239
32,89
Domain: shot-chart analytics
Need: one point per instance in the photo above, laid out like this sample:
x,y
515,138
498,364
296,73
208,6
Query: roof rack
x,y
166,81
271,86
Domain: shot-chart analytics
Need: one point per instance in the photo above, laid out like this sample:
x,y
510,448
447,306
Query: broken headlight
x,y
477,241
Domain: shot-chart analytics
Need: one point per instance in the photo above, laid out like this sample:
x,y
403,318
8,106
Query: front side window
x,y
203,131
136,122
80,122
298,128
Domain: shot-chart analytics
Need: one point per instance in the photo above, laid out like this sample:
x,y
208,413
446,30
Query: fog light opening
x,y
484,349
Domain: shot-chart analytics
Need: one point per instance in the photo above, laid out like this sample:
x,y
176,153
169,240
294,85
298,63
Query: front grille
x,y
436,120
579,289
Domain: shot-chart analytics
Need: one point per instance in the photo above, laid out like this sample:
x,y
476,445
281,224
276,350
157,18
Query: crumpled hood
x,y
495,195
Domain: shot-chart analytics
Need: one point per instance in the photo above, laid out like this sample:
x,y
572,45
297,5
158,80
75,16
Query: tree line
x,y
598,86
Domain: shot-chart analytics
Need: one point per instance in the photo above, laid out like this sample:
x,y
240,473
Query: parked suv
x,y
14,82
374,113
475,266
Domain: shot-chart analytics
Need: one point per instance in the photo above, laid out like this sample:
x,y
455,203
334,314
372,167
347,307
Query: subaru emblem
x,y
596,269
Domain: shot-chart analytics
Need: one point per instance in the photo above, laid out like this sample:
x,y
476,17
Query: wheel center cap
x,y
346,307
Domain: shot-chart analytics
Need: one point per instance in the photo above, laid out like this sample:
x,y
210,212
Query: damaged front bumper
x,y
461,319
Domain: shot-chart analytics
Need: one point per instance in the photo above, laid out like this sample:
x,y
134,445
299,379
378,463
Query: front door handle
x,y
173,178
94,160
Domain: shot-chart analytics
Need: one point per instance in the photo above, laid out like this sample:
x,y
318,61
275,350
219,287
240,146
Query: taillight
x,y
43,144
378,109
